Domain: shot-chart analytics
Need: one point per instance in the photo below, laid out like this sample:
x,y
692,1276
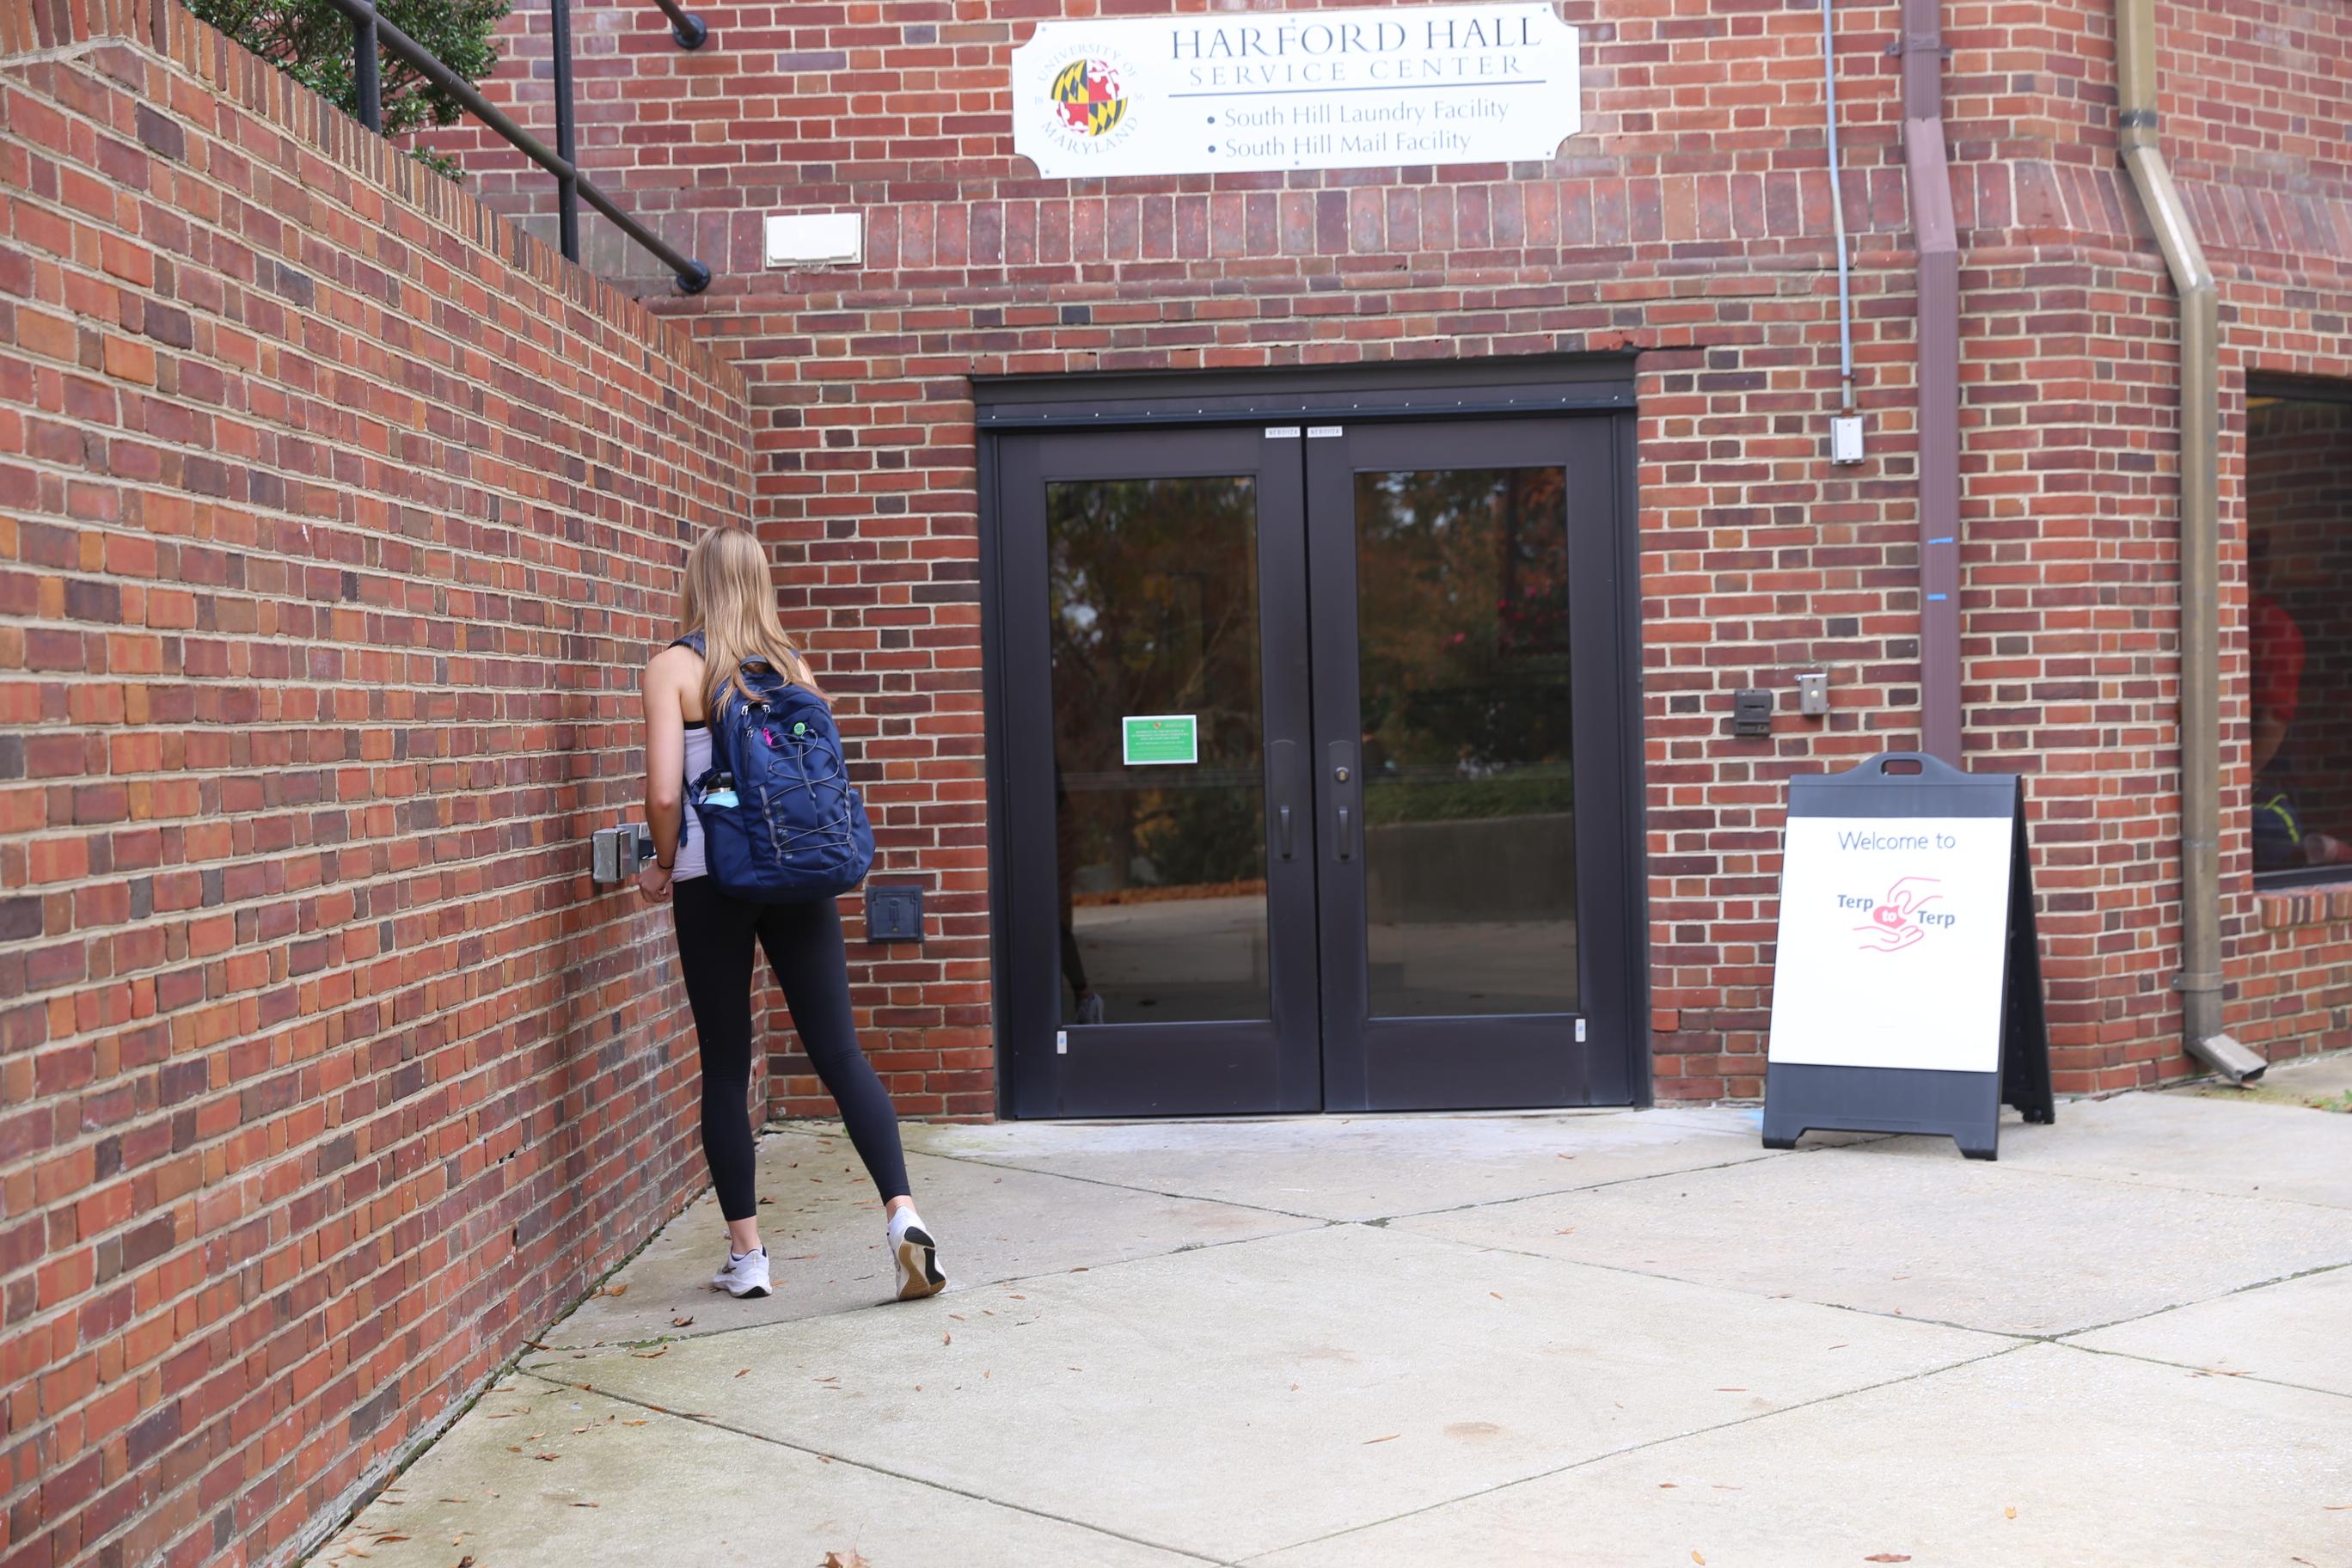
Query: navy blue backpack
x,y
781,821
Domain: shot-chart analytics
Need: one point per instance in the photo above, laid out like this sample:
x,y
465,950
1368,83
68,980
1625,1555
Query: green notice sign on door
x,y
1162,738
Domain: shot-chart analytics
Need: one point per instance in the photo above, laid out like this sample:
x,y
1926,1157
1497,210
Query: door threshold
x,y
1324,1117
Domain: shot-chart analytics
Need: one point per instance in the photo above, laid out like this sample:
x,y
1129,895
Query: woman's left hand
x,y
653,882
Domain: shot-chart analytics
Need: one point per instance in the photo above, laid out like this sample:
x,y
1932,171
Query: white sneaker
x,y
918,1265
744,1276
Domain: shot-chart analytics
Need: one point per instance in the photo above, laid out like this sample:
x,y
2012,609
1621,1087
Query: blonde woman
x,y
727,619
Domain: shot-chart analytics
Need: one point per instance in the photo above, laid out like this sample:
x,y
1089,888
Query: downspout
x,y
2199,980
1936,236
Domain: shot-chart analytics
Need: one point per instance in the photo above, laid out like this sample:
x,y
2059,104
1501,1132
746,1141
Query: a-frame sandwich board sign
x,y
1907,990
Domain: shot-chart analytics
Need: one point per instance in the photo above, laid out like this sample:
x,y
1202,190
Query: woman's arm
x,y
665,767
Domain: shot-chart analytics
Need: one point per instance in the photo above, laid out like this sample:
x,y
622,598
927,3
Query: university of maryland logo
x,y
1088,96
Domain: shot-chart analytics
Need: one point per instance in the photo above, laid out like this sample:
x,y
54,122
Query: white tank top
x,y
697,761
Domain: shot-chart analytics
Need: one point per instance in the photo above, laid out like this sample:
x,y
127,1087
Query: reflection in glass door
x,y
1160,851
1161,938
1466,612
1461,654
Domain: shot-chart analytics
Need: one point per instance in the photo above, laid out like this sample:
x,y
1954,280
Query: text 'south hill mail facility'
x,y
1319,520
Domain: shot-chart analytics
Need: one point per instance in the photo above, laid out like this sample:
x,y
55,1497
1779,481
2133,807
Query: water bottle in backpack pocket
x,y
781,821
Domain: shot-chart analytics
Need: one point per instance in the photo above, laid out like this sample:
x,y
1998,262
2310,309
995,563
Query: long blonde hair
x,y
729,597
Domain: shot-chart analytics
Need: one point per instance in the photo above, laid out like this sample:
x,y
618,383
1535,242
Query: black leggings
x,y
805,947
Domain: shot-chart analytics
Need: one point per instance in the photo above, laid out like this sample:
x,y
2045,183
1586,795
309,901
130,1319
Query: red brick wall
x,y
1689,223
336,519
2258,112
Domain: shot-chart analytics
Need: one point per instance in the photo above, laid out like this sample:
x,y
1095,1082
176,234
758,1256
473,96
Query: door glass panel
x,y
1469,800
1154,601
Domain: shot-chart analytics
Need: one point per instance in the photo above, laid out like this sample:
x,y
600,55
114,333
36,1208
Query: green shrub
x,y
311,42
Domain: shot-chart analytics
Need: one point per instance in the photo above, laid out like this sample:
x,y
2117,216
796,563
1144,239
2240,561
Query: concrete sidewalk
x,y
1600,1338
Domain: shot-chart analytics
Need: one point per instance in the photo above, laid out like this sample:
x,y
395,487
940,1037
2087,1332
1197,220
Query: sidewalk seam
x,y
712,1421
1638,1447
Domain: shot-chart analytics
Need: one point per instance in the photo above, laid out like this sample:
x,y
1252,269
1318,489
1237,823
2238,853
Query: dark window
x,y
2299,628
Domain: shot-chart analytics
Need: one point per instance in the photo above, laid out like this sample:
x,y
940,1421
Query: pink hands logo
x,y
1894,924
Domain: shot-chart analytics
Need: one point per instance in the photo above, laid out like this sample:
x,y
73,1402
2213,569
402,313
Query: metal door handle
x,y
1280,770
1347,836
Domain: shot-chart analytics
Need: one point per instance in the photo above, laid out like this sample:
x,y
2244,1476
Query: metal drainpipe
x,y
1936,236
2199,980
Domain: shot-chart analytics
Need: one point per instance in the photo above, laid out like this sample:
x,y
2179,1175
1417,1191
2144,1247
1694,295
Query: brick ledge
x,y
2318,904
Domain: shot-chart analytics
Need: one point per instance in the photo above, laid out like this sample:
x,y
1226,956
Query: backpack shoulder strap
x,y
692,640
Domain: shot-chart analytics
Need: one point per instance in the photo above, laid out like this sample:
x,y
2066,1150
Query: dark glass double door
x,y
1313,768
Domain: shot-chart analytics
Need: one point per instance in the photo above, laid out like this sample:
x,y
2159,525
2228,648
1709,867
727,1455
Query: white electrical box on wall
x,y
1845,435
816,239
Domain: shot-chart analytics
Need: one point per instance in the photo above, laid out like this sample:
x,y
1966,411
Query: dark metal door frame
x,y
1490,1062
1189,1068
1022,906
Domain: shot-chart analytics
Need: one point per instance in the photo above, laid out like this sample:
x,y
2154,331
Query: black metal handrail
x,y
688,30
372,33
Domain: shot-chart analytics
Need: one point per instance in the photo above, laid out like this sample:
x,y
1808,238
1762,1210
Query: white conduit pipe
x,y
1837,207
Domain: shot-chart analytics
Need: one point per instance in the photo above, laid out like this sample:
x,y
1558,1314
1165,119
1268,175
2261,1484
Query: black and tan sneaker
x,y
918,1262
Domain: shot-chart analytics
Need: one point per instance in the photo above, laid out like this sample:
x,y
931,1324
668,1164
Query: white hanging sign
x,y
1199,93
1892,936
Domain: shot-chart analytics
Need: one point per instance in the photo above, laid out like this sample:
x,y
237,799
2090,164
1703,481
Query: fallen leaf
x,y
1667,1485
767,1200
388,1540
2010,1513
1570,1231
649,1355
1888,1557
1697,1558
577,1430
616,1289
467,1561
835,1559
586,1505
947,1338
1496,1294
743,1373
550,1459
631,1423
1389,1439
681,1322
